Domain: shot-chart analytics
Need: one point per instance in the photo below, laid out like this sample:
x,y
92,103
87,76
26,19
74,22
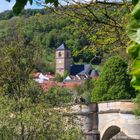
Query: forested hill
x,y
26,13
48,30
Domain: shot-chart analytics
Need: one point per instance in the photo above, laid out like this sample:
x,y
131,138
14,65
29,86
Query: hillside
x,y
49,30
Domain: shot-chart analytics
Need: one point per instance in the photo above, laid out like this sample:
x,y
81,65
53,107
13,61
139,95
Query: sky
x,y
4,5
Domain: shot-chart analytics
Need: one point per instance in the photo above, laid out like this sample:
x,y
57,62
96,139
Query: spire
x,y
62,47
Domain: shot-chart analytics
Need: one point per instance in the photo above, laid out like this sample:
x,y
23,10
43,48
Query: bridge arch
x,y
110,132
112,129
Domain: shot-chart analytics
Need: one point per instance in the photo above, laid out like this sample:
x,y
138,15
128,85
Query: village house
x,y
77,72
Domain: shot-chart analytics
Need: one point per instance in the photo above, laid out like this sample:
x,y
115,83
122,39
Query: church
x,y
76,72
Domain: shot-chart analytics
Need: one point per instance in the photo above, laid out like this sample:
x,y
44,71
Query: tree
x,y
25,112
58,96
102,23
114,81
96,21
134,49
85,89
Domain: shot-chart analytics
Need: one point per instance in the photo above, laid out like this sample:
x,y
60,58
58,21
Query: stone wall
x,y
86,117
105,120
118,114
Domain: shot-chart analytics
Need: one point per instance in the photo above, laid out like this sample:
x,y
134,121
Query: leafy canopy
x,y
114,82
133,50
25,108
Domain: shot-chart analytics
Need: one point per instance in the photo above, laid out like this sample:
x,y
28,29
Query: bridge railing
x,y
116,106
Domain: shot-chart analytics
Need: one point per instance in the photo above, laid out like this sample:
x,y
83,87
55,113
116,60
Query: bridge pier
x,y
93,135
87,119
107,120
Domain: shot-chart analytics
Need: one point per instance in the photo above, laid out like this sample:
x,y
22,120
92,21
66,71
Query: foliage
x,y
47,30
58,77
133,50
114,82
84,27
89,39
58,96
25,109
20,4
137,109
85,89
102,23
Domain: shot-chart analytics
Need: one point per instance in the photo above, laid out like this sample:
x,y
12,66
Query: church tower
x,y
63,59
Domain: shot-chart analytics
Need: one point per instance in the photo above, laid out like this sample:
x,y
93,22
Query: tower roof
x,y
62,47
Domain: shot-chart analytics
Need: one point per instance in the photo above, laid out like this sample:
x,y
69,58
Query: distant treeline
x,y
26,13
48,30
88,40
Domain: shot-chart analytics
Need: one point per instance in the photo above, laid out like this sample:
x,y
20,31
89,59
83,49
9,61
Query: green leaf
x,y
137,87
136,64
55,2
31,2
133,30
134,2
136,11
49,1
135,83
136,72
19,6
134,50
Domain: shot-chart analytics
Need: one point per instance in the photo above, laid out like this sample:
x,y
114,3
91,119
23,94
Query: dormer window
x,y
59,54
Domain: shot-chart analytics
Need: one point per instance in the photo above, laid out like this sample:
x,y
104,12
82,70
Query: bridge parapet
x,y
105,119
117,116
118,106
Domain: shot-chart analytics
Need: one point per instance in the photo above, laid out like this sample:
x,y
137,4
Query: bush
x,y
114,82
58,96
58,78
85,89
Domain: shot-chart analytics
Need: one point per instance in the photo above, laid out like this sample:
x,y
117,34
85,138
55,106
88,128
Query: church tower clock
x,y
63,59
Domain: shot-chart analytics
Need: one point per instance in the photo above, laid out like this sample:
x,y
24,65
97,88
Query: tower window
x,y
59,54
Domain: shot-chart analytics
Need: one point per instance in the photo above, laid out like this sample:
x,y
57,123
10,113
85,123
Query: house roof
x,y
75,78
94,73
80,69
62,47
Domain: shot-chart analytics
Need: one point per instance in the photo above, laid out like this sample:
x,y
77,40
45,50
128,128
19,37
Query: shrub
x,y
114,82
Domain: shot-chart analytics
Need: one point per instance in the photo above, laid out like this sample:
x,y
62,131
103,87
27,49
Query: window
x,y
59,54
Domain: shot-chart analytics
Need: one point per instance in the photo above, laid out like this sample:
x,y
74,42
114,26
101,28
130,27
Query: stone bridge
x,y
108,120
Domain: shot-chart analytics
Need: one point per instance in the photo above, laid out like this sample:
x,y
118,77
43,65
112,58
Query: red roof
x,y
71,85
51,83
48,84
